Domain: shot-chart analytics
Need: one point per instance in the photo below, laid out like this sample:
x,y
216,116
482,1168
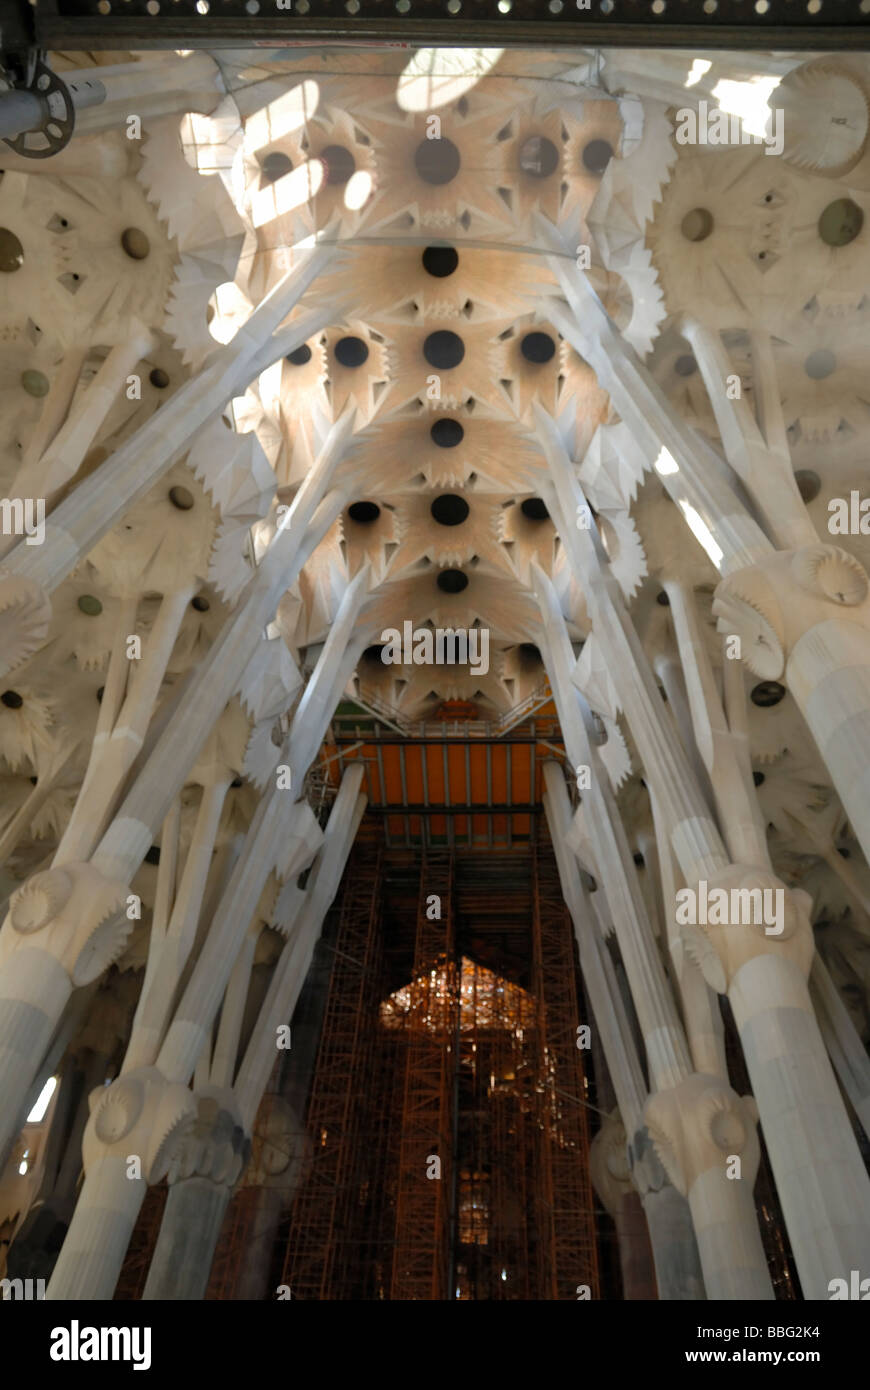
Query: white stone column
x,y
675,1251
681,1110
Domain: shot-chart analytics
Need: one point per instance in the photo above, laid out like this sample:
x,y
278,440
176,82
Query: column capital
x,y
141,1115
699,1125
720,948
75,914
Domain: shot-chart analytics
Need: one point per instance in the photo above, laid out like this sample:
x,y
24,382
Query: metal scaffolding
x,y
426,1158
320,1258
448,1110
572,1255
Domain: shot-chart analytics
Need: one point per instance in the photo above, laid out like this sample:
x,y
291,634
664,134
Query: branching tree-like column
x,y
682,1113
803,613
149,1111
204,1174
79,910
805,1122
669,1220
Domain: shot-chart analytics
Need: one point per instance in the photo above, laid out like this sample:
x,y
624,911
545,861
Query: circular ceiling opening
x,y
364,512
340,164
201,604
535,508
539,157
767,693
11,251
697,224
275,165
449,509
662,599
11,699
597,155
452,581
437,161
35,383
158,378
373,653
758,779
443,349
181,498
135,243
299,356
809,484
529,652
537,347
820,364
351,352
440,261
685,365
840,222
447,434
153,855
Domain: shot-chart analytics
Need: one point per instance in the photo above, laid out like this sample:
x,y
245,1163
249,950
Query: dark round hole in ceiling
x,y
758,779
275,165
443,349
662,598
364,512
158,378
537,347
299,356
452,581
447,434
767,693
808,483
539,157
535,508
840,222
639,860
351,352
135,243
181,498
697,224
437,161
440,261
11,252
597,155
373,653
340,164
201,604
153,855
11,699
529,651
449,509
685,365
